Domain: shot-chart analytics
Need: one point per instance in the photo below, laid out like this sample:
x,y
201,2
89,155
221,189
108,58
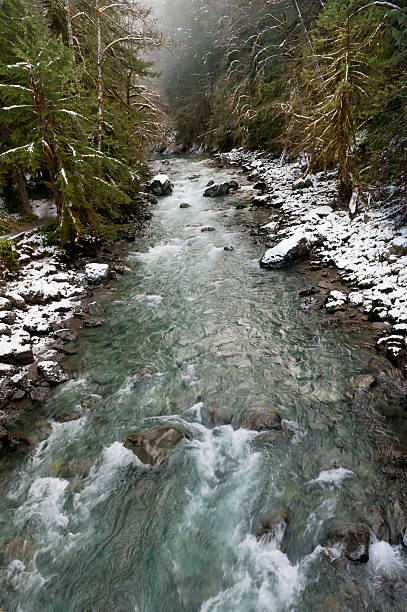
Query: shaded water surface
x,y
220,334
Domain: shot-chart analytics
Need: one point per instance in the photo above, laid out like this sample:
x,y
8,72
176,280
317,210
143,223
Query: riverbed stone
x,y
208,228
273,528
302,183
74,468
94,309
263,420
185,205
350,541
292,249
152,447
67,417
18,548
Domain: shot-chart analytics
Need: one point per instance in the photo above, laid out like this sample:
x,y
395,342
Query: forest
x,y
83,100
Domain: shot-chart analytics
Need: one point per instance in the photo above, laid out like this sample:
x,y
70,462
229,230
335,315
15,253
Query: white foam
x,y
335,476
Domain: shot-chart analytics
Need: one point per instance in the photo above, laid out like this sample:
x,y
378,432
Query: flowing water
x,y
220,334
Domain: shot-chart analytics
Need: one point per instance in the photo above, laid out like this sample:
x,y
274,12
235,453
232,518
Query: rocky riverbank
x,y
43,304
366,244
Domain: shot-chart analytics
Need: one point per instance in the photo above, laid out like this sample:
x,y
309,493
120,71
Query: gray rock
x,y
228,247
295,248
152,447
67,417
94,322
185,205
208,228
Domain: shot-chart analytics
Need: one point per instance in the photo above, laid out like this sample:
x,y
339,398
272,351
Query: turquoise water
x,y
220,333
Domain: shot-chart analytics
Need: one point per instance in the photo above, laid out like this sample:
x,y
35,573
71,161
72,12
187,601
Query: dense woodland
x,y
78,111
325,76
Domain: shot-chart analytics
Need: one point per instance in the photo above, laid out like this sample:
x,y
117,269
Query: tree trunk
x,y
308,39
24,199
100,73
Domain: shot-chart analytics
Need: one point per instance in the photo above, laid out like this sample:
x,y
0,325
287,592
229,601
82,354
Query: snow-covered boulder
x,y
14,352
52,372
160,185
217,190
96,273
294,248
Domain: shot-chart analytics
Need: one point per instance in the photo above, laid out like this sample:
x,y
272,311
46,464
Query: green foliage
x,y
49,107
7,254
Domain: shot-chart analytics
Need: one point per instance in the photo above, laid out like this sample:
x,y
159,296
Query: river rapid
x,y
220,334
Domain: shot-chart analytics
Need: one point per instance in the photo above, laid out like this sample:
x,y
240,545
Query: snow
x,y
368,247
96,272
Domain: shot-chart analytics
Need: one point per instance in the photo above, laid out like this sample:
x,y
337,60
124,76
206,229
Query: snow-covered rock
x,y
52,372
96,273
217,190
160,185
291,249
335,301
302,183
12,351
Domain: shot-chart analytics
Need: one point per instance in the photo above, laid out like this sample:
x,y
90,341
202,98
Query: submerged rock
x,y
274,528
144,372
152,447
18,548
263,420
78,468
228,247
208,228
94,309
351,542
160,185
66,417
185,205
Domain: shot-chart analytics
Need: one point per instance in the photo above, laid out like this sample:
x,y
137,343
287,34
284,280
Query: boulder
x,y
260,186
15,353
207,228
228,247
351,541
261,201
160,185
336,300
302,183
52,372
185,205
263,420
217,190
94,309
39,394
210,183
152,447
219,418
96,273
295,248
273,528
4,303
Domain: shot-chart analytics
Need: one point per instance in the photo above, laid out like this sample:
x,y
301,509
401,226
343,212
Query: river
x,y
219,333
